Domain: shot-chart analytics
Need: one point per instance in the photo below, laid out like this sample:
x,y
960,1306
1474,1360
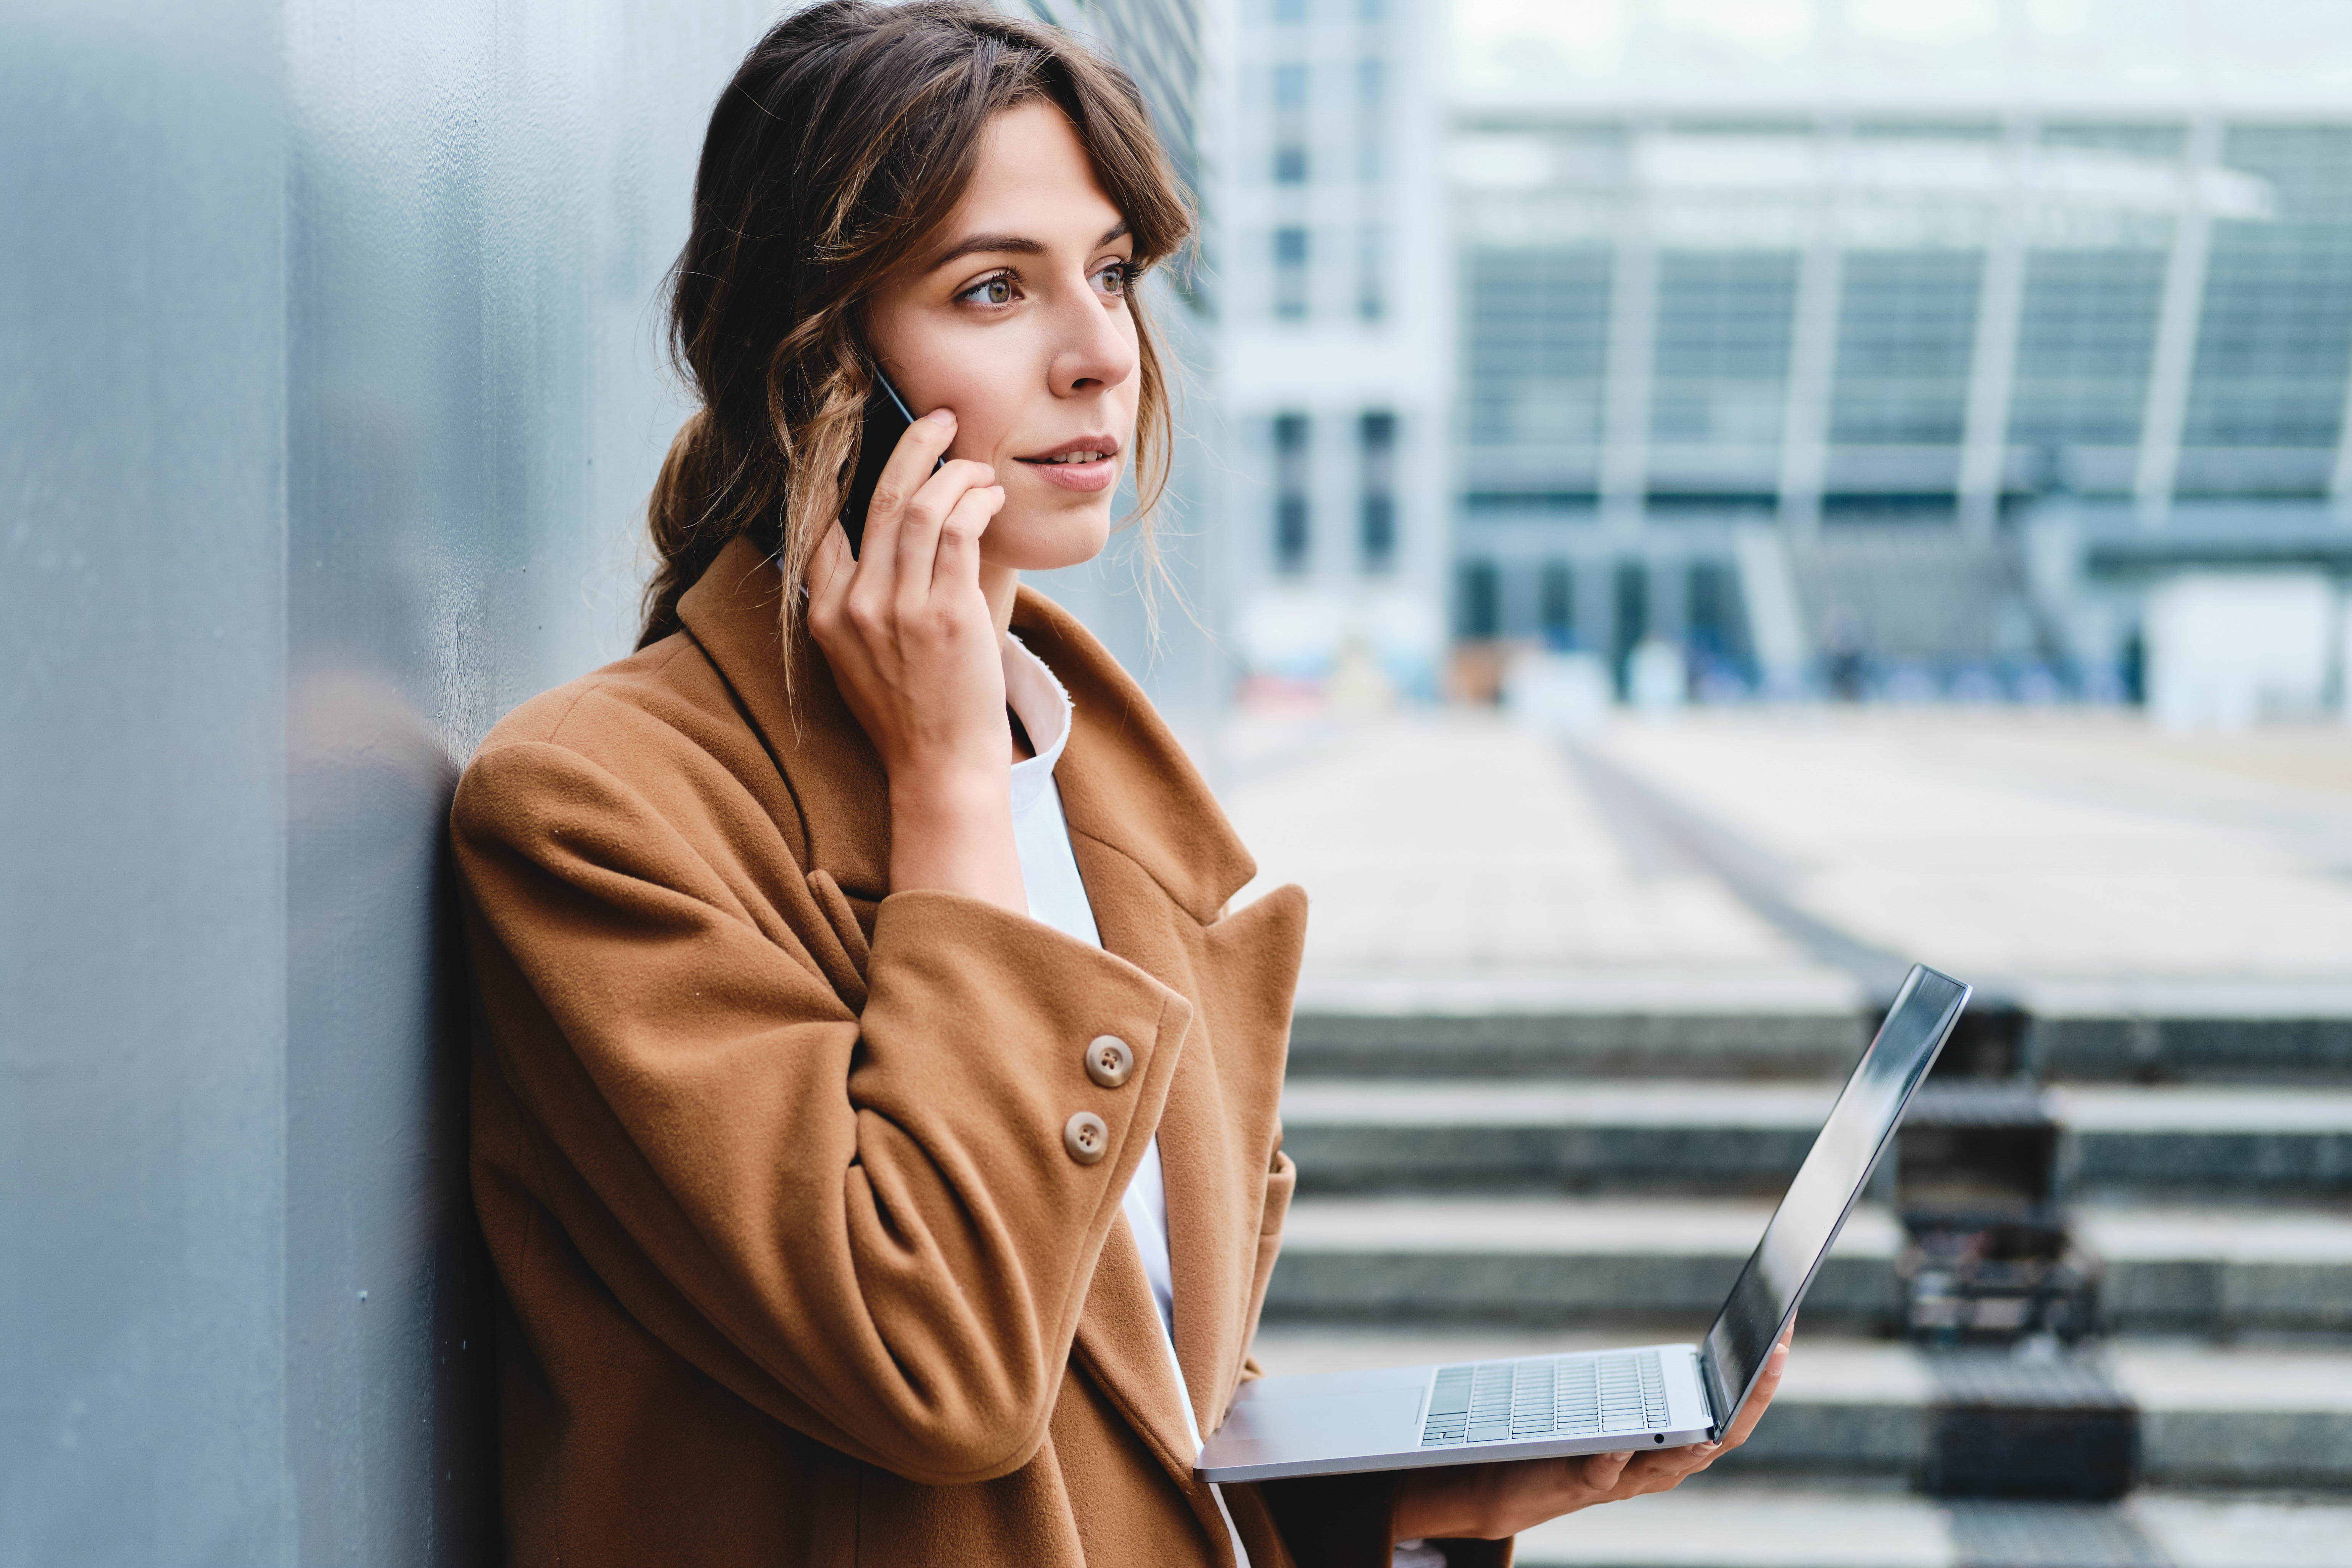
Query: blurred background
x,y
1685,508
1724,499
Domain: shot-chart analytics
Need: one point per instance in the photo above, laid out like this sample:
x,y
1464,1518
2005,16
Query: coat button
x,y
1108,1061
1086,1137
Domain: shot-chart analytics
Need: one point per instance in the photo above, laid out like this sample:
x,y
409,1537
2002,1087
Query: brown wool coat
x,y
796,1267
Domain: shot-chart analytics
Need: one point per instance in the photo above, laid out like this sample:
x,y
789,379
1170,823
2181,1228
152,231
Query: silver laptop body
x,y
1594,1402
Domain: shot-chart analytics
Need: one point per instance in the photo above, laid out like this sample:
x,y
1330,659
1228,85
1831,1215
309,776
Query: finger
x,y
831,565
925,521
1602,1472
918,450
956,476
1775,1367
957,564
831,570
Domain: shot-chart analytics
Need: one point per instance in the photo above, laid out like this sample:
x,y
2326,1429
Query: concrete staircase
x,y
1475,1186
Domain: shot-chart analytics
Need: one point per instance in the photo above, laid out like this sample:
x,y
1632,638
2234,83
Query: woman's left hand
x,y
1488,1502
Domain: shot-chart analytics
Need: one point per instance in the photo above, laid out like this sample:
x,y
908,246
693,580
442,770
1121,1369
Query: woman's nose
x,y
1093,351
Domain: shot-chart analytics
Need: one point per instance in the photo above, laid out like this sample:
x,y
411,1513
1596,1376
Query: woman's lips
x,y
1087,477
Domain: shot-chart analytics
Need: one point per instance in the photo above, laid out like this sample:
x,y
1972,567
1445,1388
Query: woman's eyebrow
x,y
1013,244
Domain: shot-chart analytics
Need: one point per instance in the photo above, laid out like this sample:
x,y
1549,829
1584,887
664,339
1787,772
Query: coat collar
x,y
1125,781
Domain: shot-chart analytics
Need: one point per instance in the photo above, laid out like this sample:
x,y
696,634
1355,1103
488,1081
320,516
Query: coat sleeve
x,y
867,1224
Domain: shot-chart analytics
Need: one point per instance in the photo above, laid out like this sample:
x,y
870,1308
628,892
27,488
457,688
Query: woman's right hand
x,y
916,650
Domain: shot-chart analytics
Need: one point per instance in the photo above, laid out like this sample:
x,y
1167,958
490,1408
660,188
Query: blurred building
x,y
1156,612
1907,344
1333,258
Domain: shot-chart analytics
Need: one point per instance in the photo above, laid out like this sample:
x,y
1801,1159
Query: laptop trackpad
x,y
1305,1426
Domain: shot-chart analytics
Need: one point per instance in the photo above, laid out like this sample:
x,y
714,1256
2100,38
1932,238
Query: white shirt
x,y
1057,897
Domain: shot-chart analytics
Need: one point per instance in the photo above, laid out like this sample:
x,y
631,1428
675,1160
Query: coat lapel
x,y
1147,834
833,772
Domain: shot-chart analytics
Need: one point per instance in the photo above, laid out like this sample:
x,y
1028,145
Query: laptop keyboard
x,y
1545,1397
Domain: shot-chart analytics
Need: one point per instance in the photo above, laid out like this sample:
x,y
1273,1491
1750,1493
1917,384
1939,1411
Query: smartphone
x,y
886,419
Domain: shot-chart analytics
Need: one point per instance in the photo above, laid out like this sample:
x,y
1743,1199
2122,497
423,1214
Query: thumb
x,y
1603,1471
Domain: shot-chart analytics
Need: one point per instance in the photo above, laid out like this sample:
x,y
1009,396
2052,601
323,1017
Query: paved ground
x,y
1780,1527
2075,859
1455,859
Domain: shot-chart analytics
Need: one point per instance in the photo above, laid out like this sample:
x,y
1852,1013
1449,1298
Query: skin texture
x,y
1011,332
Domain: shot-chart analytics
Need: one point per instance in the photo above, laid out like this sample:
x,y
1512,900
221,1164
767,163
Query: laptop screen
x,y
1827,1183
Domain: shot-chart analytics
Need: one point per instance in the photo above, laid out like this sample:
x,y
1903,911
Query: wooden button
x,y
1086,1137
1108,1061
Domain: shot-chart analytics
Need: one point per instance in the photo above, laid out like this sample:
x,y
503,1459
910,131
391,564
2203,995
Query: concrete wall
x,y
329,392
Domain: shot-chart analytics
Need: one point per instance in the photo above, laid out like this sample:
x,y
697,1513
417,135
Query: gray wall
x,y
329,392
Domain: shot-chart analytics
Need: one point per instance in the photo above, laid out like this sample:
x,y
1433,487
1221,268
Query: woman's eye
x,y
1112,280
990,292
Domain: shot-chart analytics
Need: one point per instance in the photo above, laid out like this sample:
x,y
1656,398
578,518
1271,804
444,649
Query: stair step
x,y
2237,1417
1706,1135
2219,1270
1734,1044
1719,1136
1709,1523
2250,1038
1568,1261
2245,1032
1556,1261
2206,1139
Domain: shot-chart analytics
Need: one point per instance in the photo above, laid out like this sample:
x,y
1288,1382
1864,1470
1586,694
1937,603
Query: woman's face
x,y
1016,320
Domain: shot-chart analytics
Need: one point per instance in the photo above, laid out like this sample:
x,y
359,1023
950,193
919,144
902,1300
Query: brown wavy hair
x,y
840,148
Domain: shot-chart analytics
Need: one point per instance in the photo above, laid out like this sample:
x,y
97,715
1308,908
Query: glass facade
x,y
1672,331
1914,219
2086,339
1725,323
1906,331
2274,337
1537,345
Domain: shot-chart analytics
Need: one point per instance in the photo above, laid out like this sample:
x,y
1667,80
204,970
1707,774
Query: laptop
x,y
1594,1402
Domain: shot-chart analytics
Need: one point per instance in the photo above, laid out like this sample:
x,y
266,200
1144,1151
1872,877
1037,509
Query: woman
x,y
875,1105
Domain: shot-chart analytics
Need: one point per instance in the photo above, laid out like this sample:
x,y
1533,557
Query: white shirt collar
x,y
1036,696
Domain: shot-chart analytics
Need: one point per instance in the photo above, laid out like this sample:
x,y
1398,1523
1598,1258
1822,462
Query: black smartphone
x,y
886,419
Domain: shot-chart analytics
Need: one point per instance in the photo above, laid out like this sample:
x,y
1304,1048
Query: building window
x,y
1372,273
1556,603
1375,441
1479,612
1290,125
1907,338
2274,338
1629,619
1290,274
1713,617
1725,319
1371,100
1290,516
2085,343
1537,325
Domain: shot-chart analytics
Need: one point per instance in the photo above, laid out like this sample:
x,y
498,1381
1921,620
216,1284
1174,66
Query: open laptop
x,y
1594,1402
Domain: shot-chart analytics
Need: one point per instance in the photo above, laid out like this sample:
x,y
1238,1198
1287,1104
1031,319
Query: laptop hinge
x,y
1707,1379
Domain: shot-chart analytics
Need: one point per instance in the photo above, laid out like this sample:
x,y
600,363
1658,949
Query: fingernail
x,y
944,416
1622,1455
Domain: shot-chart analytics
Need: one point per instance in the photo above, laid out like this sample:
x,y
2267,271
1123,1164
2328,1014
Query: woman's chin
x,y
1047,539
